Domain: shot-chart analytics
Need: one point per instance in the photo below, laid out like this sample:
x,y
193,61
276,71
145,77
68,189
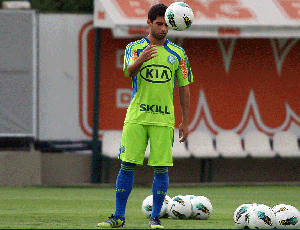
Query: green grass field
x,y
84,207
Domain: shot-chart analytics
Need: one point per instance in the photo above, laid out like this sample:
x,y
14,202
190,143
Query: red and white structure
x,y
244,56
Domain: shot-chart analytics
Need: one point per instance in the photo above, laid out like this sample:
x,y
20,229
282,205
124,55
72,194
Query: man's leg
x,y
133,145
159,188
123,188
161,140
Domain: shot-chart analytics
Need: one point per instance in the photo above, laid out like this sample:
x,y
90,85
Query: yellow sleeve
x,y
129,57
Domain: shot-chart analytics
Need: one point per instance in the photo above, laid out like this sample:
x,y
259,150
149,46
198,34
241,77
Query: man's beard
x,y
158,37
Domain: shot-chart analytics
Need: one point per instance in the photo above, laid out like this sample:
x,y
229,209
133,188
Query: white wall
x,y
58,74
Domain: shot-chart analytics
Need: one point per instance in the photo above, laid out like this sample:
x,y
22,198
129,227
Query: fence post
x,y
96,155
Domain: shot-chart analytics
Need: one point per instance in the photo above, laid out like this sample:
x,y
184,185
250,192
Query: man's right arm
x,y
134,67
147,54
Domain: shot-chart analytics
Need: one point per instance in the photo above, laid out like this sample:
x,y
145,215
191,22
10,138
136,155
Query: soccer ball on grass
x,y
201,208
147,206
261,217
287,216
165,207
180,207
191,196
240,215
179,16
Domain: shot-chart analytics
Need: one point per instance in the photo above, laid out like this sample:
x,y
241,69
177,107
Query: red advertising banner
x,y
236,81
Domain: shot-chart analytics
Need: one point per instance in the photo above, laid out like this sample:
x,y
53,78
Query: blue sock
x,y
159,189
123,188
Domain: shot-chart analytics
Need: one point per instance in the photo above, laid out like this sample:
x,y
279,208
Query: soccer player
x,y
153,63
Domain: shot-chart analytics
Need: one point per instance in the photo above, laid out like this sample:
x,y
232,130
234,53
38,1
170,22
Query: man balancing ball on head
x,y
153,63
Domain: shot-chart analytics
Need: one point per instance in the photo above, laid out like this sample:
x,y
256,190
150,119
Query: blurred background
x,y
63,95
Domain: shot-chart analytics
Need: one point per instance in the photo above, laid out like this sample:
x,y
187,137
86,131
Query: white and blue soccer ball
x,y
179,16
180,207
201,208
240,215
278,207
287,216
165,206
191,196
147,206
261,217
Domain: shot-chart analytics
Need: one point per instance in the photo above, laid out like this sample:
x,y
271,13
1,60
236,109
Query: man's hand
x,y
183,132
149,52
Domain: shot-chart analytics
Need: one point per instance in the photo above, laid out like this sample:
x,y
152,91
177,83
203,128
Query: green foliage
x,y
84,207
62,6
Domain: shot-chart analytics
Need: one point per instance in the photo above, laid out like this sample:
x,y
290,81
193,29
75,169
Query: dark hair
x,y
156,11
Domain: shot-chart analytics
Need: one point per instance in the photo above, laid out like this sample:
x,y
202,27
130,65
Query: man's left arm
x,y
184,98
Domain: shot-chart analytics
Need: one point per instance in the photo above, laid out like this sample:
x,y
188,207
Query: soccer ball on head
x,y
287,217
261,217
180,207
179,16
147,206
201,208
